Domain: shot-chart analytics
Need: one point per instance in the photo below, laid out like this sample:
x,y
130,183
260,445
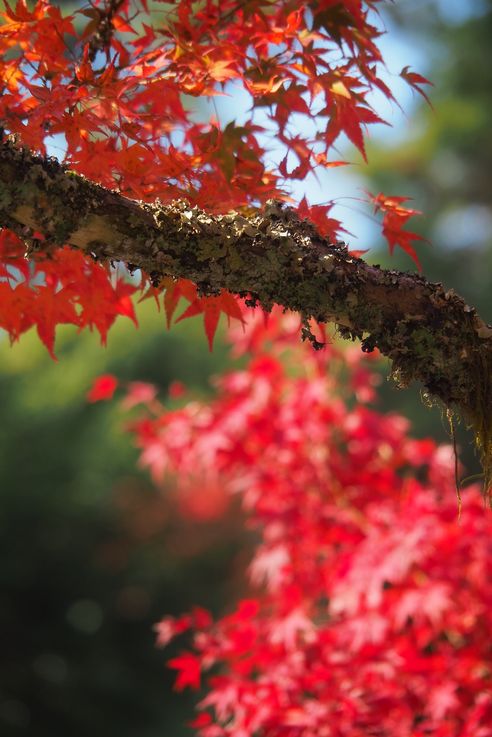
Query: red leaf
x,y
395,216
318,214
103,388
416,80
188,667
212,308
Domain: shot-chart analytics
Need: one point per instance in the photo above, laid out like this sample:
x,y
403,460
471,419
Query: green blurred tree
x,y
87,567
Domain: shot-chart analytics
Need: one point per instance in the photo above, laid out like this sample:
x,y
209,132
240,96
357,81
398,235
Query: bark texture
x,y
429,333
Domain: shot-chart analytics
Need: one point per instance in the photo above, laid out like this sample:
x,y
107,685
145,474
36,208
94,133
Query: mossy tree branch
x,y
429,333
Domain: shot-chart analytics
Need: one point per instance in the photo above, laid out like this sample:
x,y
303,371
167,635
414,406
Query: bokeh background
x,y
91,553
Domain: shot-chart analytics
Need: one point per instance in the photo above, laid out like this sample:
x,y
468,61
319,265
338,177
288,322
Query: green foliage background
x,y
85,570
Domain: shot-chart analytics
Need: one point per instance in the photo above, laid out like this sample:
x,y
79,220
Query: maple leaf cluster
x,y
68,288
395,216
109,85
370,602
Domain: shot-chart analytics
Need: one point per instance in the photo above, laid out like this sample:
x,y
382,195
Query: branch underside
x,y
430,334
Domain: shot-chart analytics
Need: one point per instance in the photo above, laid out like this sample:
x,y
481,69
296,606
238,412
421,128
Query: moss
x,y
479,416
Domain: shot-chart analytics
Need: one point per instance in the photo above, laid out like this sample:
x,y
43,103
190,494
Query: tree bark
x,y
429,333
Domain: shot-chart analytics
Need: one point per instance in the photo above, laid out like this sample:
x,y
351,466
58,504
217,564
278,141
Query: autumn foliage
x,y
110,90
369,610
369,607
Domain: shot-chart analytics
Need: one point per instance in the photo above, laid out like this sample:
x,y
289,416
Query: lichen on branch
x,y
429,333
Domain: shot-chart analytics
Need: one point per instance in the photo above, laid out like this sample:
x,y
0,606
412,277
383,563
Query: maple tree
x,y
111,79
356,591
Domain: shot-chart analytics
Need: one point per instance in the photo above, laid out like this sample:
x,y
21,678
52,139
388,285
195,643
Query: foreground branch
x,y
429,333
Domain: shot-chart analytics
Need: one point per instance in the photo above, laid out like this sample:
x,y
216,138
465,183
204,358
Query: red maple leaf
x,y
395,216
416,81
189,669
103,388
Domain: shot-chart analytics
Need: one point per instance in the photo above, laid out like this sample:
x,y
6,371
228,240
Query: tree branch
x,y
103,31
429,333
